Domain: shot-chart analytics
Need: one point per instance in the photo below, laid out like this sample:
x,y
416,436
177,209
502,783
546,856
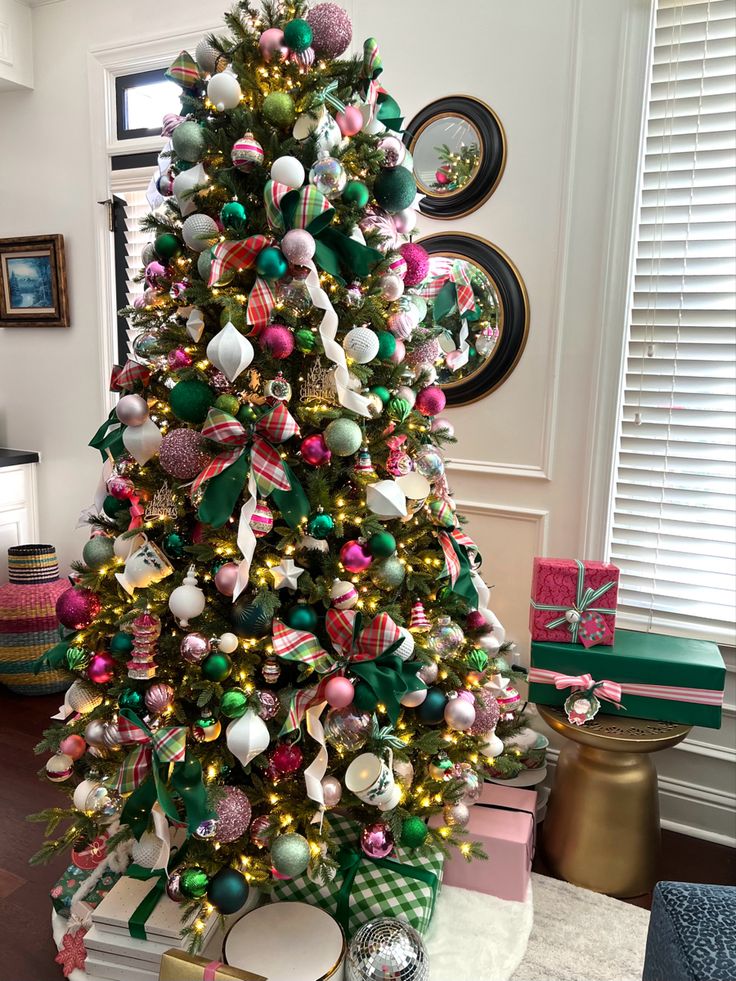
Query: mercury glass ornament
x,y
376,840
173,888
328,175
445,637
207,830
347,730
290,854
456,815
271,670
384,949
259,831
194,647
428,461
428,672
331,791
268,704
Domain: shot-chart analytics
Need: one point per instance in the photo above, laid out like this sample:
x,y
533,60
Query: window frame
x,y
124,84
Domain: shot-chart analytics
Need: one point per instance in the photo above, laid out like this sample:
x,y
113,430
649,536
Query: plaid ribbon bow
x,y
608,690
357,643
235,256
583,606
160,746
301,646
128,376
307,204
448,281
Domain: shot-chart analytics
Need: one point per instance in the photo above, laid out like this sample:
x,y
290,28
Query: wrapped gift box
x,y
163,925
668,679
72,879
96,967
403,886
503,820
562,586
179,966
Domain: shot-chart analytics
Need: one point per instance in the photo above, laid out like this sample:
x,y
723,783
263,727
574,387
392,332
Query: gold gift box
x,y
176,965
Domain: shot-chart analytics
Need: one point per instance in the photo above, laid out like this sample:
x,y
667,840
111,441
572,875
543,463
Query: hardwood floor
x,y
28,949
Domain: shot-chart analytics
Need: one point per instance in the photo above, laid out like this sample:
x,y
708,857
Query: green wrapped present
x,y
668,679
404,886
70,881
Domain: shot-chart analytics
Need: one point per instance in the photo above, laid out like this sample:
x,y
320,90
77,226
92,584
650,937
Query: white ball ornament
x,y
60,767
199,232
227,643
187,601
392,287
459,713
412,699
288,170
361,344
343,595
223,91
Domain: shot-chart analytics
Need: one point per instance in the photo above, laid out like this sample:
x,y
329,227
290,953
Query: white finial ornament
x,y
187,601
230,352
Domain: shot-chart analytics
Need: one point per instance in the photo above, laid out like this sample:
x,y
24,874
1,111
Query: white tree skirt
x,y
473,937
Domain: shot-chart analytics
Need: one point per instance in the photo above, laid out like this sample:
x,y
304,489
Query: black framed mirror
x,y
458,148
480,309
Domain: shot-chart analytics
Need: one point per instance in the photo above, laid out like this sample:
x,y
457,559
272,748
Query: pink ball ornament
x,y
261,521
355,556
376,840
298,246
406,393
443,426
417,263
159,697
331,791
121,488
339,692
350,121
399,352
233,815
154,272
441,176
406,221
431,401
331,29
460,713
487,713
271,44
77,607
286,758
132,410
73,746
194,647
182,454
139,302
226,578
178,358
403,323
314,450
101,668
277,340
392,287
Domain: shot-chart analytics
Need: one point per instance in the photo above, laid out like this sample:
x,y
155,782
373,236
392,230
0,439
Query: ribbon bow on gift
x,y
608,690
582,612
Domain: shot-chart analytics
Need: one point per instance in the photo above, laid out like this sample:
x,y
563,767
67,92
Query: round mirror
x,y
459,152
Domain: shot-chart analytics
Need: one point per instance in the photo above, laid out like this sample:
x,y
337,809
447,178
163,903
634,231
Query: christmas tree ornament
x,y
146,631
185,186
393,151
413,699
271,670
302,617
404,772
343,437
111,738
343,595
509,701
101,668
487,713
207,729
94,733
321,525
193,881
272,46
414,832
399,354
90,796
418,621
123,546
432,709
247,153
355,556
207,56
199,232
394,189
178,358
268,704
460,711
456,815
305,339
429,673
314,450
187,601
387,948
131,698
331,29
132,410
278,109
286,574
227,643
290,854
233,814
492,747
388,573
226,578
77,607
297,34
356,193
279,388
190,400
417,263
247,737
59,768
228,891
188,141
364,465
298,246
441,513
271,263
328,175
249,619
442,426
159,698
207,830
375,405
289,171
182,454
361,344
165,183
77,658
331,791
216,666
347,730
194,647
424,354
230,352
232,216
431,401
223,91
386,499
73,746
392,286
204,267
382,545
386,345
376,840
173,887
233,703
445,637
349,120
259,831
339,692
261,521
277,340
286,758
97,552
402,324
302,58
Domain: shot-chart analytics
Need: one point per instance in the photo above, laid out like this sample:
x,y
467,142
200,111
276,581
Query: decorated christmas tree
x,y
278,611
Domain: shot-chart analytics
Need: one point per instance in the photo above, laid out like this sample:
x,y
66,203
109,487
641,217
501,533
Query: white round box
x,y
287,942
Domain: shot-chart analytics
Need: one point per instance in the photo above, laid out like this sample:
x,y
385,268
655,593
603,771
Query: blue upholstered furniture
x,y
692,933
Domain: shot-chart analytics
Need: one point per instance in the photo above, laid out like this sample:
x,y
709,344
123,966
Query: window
x,y
673,530
129,205
141,100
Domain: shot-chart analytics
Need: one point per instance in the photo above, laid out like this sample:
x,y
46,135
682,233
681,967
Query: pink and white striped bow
x,y
169,123
609,690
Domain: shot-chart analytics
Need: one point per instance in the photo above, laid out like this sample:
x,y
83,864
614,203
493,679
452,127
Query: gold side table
x,y
602,825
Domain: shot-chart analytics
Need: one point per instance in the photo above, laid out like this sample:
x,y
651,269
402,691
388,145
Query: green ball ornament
x,y
227,891
204,263
174,545
271,263
98,551
320,525
278,109
394,189
290,854
129,698
297,35
167,246
386,345
246,414
120,643
388,573
193,882
232,215
413,832
216,666
356,193
365,699
305,340
343,437
382,392
188,142
112,506
76,658
191,400
398,408
228,403
302,617
233,703
432,709
382,545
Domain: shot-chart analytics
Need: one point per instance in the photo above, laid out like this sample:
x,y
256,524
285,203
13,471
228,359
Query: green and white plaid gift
x,y
404,886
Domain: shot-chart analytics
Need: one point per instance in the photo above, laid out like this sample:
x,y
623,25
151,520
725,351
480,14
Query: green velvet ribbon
x,y
389,112
55,656
446,301
222,492
350,860
464,585
293,504
139,916
389,678
106,438
186,781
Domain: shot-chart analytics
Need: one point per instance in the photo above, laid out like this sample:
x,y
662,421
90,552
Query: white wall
x,y
566,79
16,45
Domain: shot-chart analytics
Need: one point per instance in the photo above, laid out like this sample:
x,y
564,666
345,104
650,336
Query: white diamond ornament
x,y
142,442
195,325
185,184
414,486
230,352
247,737
386,499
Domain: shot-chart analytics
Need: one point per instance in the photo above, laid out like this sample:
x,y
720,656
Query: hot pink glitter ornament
x,y
286,758
431,401
73,746
476,621
487,713
376,840
121,488
417,263
339,692
181,453
441,176
233,815
159,697
101,668
355,556
77,607
226,578
194,647
178,358
331,29
314,450
277,340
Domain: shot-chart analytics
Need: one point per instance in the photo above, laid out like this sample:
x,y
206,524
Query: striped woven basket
x,y
28,624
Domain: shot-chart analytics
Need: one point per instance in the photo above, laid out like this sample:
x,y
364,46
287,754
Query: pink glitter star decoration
x,y
73,953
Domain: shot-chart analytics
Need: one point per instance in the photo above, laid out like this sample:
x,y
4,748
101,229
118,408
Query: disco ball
x,y
387,950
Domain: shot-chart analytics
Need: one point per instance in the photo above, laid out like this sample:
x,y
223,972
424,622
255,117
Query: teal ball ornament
x,y
381,391
302,617
343,437
290,854
320,525
193,882
190,400
394,189
120,643
129,698
174,545
228,891
432,709
356,193
382,545
271,263
298,35
249,619
386,345
232,216
278,109
98,551
113,506
365,699
388,573
167,246
216,666
413,832
188,142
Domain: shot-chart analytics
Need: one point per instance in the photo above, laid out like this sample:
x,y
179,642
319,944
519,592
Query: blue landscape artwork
x,y
29,282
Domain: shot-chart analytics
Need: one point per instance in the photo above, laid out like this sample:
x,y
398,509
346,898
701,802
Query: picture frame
x,y
33,290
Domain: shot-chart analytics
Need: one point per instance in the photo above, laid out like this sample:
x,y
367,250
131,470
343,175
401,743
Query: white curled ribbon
x,y
100,493
328,332
318,767
459,358
246,539
161,830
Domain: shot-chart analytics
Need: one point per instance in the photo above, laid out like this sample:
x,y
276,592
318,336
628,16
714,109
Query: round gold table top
x,y
617,733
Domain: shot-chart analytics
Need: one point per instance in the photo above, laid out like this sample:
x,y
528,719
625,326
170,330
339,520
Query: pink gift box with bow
x,y
573,602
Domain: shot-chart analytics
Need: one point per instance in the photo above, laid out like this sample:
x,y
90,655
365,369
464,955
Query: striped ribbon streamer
x,y
672,693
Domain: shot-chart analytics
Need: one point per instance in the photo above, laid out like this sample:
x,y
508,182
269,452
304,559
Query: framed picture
x,y
33,282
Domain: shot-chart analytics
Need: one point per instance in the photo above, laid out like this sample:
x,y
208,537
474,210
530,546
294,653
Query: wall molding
x,y
532,515
488,468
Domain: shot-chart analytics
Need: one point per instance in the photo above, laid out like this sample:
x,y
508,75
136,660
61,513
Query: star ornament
x,y
286,574
72,953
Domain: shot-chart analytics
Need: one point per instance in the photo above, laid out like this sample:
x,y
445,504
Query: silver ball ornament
x,y
94,733
387,948
298,246
331,791
199,232
429,672
132,410
456,815
459,713
347,730
290,854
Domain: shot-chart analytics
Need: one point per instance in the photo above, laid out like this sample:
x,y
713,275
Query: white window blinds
x,y
130,188
674,513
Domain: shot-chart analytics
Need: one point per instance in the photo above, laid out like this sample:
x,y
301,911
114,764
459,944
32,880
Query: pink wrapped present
x,y
503,821
573,602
